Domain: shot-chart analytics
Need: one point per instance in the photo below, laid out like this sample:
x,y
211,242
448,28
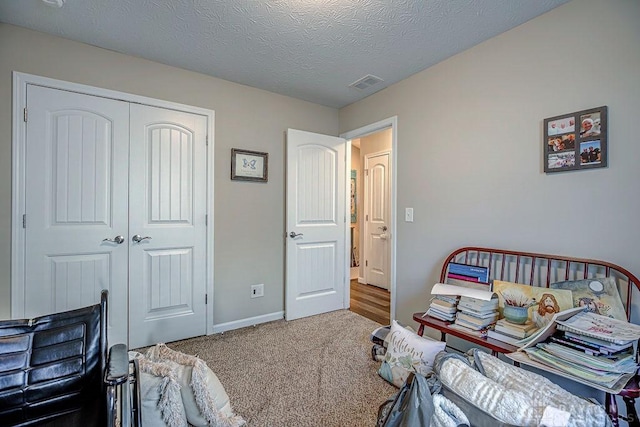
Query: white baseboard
x,y
361,280
249,321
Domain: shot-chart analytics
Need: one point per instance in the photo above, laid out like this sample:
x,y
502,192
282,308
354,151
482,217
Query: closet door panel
x,y
76,196
168,212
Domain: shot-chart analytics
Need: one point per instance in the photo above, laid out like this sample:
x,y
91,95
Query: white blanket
x,y
513,395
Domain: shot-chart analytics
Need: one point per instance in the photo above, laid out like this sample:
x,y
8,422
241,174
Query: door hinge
x,y
207,140
206,299
366,172
366,217
25,114
206,220
24,221
366,263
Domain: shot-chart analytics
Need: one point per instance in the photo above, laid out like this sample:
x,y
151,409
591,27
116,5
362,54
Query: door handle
x,y
383,228
138,238
293,234
117,239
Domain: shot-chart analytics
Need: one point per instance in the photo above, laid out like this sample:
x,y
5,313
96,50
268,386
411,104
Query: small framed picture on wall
x,y
249,165
576,141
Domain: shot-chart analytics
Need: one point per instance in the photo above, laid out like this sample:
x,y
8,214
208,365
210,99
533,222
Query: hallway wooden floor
x,y
371,302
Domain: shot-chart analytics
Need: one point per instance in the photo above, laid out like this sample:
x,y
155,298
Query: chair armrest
x,y
117,370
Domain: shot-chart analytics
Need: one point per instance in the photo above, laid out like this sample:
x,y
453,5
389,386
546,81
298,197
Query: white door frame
x,y
391,122
20,82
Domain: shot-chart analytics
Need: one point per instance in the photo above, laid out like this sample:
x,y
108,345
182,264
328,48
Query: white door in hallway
x,y
316,260
167,269
377,219
76,177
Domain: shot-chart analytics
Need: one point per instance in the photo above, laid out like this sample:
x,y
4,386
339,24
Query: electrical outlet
x,y
408,214
257,291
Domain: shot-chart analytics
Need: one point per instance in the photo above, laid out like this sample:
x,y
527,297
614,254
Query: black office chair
x,y
55,371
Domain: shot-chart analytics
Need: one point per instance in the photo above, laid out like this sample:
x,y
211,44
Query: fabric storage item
x,y
414,406
494,393
478,416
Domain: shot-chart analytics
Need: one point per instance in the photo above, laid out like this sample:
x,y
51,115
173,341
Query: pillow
x,y
408,352
161,402
600,296
380,335
206,403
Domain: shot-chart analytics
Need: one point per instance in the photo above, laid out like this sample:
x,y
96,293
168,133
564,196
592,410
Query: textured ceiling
x,y
307,49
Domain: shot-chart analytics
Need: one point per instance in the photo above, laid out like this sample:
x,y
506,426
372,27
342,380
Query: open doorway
x,y
372,221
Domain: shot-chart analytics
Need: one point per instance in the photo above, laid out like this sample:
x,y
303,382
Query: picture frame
x,y
576,141
547,302
249,165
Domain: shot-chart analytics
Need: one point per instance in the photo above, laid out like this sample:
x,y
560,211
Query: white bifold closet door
x,y
115,199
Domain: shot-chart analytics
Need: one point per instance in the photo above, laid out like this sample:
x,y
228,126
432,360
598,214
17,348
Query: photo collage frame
x,y
576,141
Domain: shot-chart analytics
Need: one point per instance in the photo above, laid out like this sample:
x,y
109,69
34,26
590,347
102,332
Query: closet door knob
x,y
117,239
138,238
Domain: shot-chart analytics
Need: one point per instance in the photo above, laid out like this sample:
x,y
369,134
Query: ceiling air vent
x,y
366,82
54,3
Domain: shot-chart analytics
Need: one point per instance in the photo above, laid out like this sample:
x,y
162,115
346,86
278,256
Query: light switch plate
x,y
408,214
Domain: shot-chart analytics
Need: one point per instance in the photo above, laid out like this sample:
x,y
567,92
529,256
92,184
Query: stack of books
x,y
512,333
443,307
476,316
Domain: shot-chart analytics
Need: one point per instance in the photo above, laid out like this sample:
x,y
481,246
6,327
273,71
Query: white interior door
x,y
167,270
76,179
377,219
316,224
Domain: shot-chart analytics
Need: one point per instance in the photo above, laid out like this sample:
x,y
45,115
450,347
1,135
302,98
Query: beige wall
x,y
249,217
374,143
469,148
470,145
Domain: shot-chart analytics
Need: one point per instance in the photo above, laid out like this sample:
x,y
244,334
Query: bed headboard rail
x,y
543,269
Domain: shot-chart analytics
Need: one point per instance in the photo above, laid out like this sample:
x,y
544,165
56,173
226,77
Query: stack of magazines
x,y
590,347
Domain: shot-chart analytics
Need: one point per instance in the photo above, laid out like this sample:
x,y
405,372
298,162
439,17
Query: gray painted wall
x,y
249,217
470,145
